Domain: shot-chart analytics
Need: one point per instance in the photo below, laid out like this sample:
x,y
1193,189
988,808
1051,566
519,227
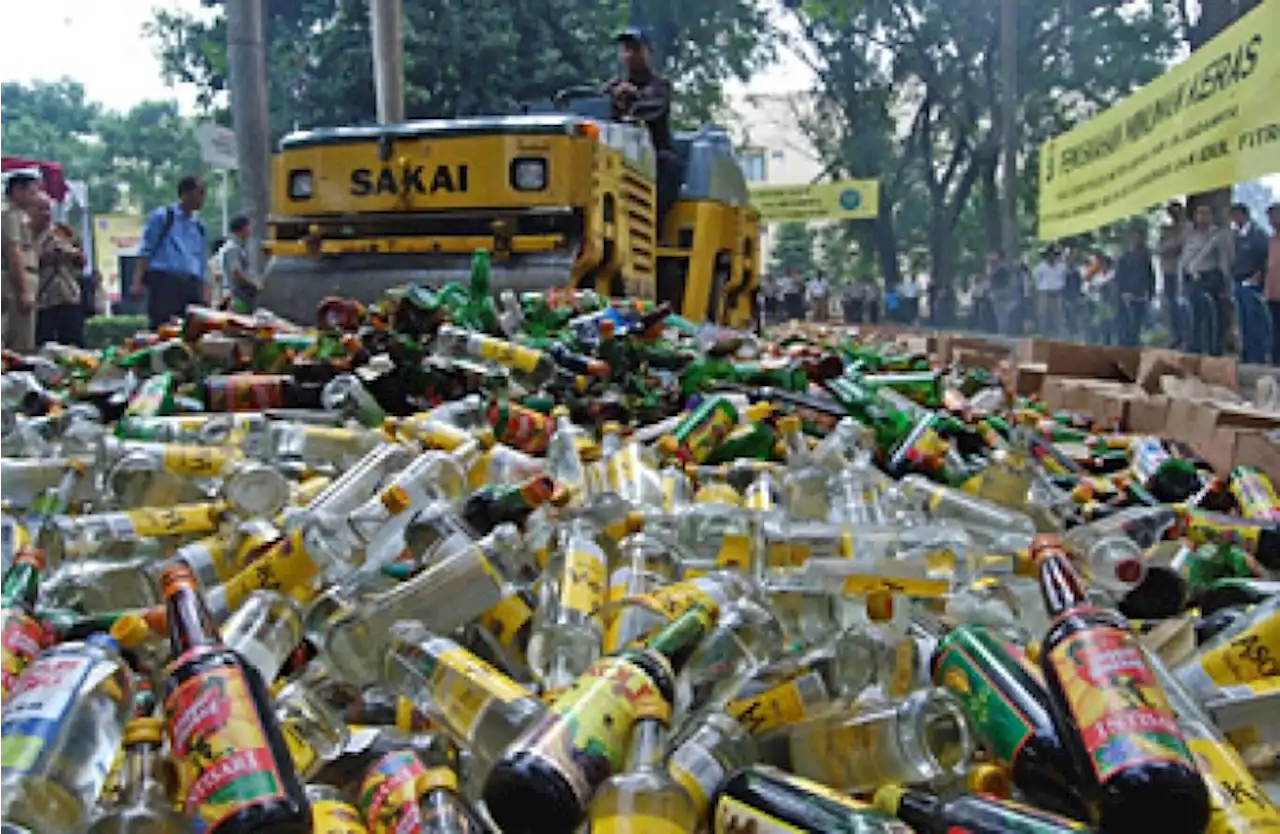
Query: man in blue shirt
x,y
172,259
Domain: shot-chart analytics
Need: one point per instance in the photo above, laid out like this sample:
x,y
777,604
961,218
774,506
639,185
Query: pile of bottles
x,y
556,563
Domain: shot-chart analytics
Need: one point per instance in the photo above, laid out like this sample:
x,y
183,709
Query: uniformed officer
x,y
20,264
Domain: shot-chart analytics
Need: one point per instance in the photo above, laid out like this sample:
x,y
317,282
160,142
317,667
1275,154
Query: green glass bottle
x,y
763,798
928,813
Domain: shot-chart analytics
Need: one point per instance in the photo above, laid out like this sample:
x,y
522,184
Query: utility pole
x,y
387,19
247,58
1009,128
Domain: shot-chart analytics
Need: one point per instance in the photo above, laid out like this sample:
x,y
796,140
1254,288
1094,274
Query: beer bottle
x,y
928,813
546,778
235,772
1003,695
763,798
258,392
1130,755
490,506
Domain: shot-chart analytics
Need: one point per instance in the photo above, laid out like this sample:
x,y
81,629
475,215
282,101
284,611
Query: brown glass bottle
x,y
546,777
1004,697
235,772
1132,760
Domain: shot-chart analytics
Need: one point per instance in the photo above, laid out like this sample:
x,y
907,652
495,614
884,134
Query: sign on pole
x,y
217,146
1211,121
843,200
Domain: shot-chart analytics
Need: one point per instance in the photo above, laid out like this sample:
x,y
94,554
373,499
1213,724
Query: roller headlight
x,y
529,174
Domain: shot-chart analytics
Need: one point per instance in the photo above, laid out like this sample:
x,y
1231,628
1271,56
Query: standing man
x,y
1050,279
1072,295
793,296
59,317
1135,285
1204,266
240,285
1003,291
1271,290
20,262
1172,237
910,291
1249,269
172,261
819,297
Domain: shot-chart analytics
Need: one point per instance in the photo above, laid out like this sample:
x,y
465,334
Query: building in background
x,y
772,147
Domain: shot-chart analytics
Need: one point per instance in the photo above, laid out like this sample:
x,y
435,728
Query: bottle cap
x,y
104,641
1032,651
759,411
611,427
130,629
788,424
880,606
146,730
33,556
668,445
888,798
560,411
989,778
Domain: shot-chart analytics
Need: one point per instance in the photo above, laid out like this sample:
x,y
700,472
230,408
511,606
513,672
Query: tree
x,y
793,250
464,57
1257,195
55,121
909,93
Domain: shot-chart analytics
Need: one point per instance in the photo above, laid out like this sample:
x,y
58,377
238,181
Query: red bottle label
x,y
224,761
524,428
22,639
245,392
389,794
1120,710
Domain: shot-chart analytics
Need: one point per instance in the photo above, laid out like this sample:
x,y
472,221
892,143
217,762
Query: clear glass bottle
x,y
314,733
643,798
564,457
806,493
61,729
265,630
644,564
715,747
922,739
567,625
148,786
332,813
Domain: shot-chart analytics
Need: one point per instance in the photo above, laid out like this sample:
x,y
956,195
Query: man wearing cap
x,y
20,261
640,84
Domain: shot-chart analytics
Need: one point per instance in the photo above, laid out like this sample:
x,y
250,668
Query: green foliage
x,y
106,331
793,250
465,57
909,92
131,161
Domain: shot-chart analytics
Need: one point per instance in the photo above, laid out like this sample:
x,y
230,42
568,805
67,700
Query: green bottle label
x,y
965,667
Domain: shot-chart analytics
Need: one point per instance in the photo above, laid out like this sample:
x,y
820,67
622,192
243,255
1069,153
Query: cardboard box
x,y
1110,404
1260,449
1155,363
1073,359
1028,378
1148,415
1191,420
1219,370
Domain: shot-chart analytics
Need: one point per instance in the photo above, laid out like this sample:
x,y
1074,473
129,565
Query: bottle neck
x,y
678,640
189,622
1060,585
648,748
21,584
145,782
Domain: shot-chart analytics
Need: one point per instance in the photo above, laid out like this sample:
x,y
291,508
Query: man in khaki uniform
x,y
19,262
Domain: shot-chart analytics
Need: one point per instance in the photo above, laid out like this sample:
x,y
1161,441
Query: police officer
x,y
640,84
19,261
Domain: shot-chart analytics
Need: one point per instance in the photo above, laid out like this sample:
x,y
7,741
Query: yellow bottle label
x,y
330,816
174,521
506,619
769,710
516,357
673,600
437,435
1240,805
718,494
436,778
735,552
693,768
635,824
303,754
1252,654
194,461
860,584
736,817
464,686
584,586
902,681
287,567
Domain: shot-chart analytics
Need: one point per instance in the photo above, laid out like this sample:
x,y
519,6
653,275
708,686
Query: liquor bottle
x,y
60,731
1130,755
547,777
763,798
331,813
478,706
1246,652
1002,692
258,392
22,636
416,789
928,813
234,767
701,430
1168,478
1254,493
567,623
490,506
148,785
441,806
564,456
644,798
714,747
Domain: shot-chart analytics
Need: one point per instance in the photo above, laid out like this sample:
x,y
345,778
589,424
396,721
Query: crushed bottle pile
x,y
554,563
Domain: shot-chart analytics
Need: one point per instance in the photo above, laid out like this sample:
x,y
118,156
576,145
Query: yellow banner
x,y
114,235
843,200
1209,122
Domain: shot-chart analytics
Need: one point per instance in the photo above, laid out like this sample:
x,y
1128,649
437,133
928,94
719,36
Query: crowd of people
x,y
1213,288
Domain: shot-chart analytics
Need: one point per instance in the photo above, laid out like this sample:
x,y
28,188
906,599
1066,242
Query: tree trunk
x,y
886,242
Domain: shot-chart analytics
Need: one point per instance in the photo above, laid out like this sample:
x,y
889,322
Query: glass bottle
x,y
928,813
1002,693
442,808
922,739
567,624
805,490
148,785
564,456
643,799
547,777
1247,652
22,636
714,747
763,798
234,768
59,734
1130,754
644,564
481,708
314,733
331,813
490,506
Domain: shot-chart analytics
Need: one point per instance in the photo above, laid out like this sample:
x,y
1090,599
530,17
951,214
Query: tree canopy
x,y
793,249
466,57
